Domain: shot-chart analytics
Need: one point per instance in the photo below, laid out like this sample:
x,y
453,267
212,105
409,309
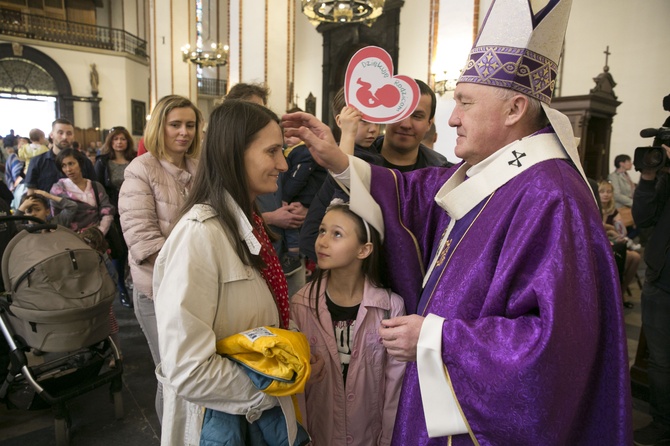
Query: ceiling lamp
x,y
342,11
217,56
445,84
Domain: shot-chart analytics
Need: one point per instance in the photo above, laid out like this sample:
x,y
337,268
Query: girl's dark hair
x,y
233,125
107,149
76,154
372,265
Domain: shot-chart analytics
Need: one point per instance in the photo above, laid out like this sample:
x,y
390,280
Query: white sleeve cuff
x,y
343,177
440,407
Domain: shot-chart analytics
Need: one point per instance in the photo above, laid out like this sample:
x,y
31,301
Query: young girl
x,y
352,395
612,219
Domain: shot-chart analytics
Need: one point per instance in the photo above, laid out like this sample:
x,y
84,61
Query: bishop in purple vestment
x,y
514,333
533,340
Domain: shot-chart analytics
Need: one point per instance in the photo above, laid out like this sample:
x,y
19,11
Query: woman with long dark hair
x,y
93,205
218,273
116,154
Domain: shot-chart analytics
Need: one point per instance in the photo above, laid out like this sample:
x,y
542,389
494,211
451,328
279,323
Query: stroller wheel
x,y
62,427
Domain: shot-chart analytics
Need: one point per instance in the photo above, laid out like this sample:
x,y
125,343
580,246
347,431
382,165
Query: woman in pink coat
x,y
352,395
155,187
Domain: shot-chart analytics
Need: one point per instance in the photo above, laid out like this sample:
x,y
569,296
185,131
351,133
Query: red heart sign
x,y
371,87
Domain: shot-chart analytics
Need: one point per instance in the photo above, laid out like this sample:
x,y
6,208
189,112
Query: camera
x,y
653,157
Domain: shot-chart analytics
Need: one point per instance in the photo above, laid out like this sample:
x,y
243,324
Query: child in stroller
x,y
37,205
58,301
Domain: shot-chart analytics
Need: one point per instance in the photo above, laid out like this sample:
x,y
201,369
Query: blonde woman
x,y
155,187
616,231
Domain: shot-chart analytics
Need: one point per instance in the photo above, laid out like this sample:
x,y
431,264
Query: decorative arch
x,y
36,70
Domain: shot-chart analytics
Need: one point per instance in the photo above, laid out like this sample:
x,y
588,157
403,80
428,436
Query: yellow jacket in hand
x,y
279,358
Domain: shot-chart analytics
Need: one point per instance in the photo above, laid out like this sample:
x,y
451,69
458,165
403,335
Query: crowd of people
x,y
206,265
477,303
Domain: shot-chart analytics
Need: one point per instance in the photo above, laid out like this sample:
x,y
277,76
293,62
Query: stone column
x,y
172,25
261,46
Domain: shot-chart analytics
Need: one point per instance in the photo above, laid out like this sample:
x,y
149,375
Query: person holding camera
x,y
651,208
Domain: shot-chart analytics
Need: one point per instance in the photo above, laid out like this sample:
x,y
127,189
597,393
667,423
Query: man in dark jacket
x,y
651,208
400,148
42,171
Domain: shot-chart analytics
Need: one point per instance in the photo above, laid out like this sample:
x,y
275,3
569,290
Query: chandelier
x,y
445,84
342,11
216,56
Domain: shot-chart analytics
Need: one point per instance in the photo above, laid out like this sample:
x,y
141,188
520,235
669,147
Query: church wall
x,y
253,41
234,43
308,60
455,35
103,15
130,17
277,55
171,28
413,57
116,14
637,35
121,79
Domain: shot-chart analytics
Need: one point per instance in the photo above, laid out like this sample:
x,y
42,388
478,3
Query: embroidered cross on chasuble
x,y
517,156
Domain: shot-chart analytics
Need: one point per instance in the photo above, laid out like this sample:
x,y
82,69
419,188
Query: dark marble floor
x,y
92,414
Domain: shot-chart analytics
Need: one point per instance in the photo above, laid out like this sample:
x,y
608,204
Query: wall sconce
x,y
443,85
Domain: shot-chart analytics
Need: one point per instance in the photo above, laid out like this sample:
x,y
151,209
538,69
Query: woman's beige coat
x,y
205,293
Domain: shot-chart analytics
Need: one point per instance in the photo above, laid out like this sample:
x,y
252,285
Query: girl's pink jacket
x,y
364,412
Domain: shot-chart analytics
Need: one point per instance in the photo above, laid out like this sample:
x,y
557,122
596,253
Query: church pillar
x,y
172,25
261,47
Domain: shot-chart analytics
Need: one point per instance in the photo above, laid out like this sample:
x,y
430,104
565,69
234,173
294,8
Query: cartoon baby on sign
x,y
371,87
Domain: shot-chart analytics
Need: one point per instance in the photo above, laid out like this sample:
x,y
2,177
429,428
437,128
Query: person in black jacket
x,y
116,154
42,172
299,184
651,208
400,148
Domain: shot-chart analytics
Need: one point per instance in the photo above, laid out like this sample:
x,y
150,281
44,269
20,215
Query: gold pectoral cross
x,y
443,253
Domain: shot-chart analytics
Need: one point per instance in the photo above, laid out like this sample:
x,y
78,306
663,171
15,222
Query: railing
x,y
37,27
212,87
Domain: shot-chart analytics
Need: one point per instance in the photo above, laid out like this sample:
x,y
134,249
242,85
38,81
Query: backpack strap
x,y
97,198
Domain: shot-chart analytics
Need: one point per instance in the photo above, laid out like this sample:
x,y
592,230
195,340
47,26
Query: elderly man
x,y
517,336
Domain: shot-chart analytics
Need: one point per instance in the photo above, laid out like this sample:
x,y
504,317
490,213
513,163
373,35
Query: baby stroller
x,y
54,318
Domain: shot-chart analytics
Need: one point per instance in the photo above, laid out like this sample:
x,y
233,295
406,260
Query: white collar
x,y
474,170
458,196
244,226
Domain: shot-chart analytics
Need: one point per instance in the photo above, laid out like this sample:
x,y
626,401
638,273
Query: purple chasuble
x,y
533,338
